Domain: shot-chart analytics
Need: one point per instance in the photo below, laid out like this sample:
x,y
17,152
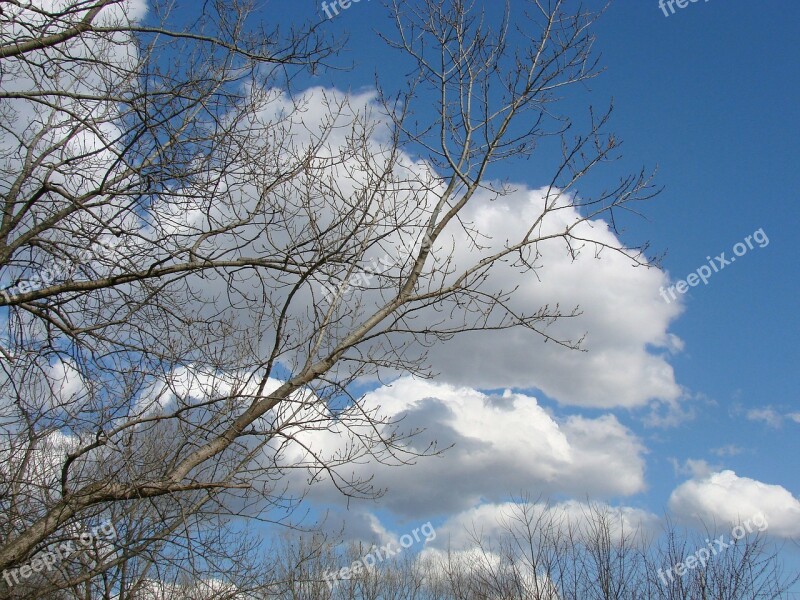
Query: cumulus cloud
x,y
724,497
480,539
501,444
37,466
193,384
198,589
622,316
66,377
492,521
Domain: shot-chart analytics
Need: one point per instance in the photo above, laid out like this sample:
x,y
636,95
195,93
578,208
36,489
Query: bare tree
x,y
547,552
185,247
542,551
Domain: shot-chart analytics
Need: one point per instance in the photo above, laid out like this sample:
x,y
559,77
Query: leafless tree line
x,y
536,554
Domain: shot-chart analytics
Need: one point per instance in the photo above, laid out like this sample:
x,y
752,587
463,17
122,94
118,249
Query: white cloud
x,y
502,444
727,450
193,384
726,497
37,465
693,467
493,521
481,538
770,416
623,317
199,589
65,382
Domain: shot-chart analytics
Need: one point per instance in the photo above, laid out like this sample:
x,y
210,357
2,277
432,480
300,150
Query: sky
x,y
684,405
708,96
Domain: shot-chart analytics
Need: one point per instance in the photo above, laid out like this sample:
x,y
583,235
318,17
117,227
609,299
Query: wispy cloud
x,y
727,450
696,468
771,417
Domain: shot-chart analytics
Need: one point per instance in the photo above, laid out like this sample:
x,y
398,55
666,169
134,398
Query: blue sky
x,y
709,96
688,407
